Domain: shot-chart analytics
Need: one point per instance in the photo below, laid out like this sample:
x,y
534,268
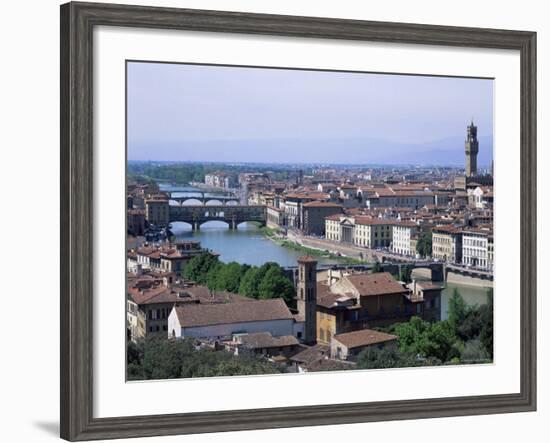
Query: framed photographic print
x,y
272,221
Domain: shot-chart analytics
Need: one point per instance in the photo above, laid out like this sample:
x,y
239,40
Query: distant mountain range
x,y
445,152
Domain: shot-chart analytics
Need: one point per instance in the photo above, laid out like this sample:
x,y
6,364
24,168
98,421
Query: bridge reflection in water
x,y
232,215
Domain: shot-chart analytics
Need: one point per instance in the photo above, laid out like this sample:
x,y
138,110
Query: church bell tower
x,y
472,148
307,297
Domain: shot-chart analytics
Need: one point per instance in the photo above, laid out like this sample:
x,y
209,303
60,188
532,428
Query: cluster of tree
x,y
376,267
405,273
263,282
473,325
465,337
157,357
185,173
424,244
391,357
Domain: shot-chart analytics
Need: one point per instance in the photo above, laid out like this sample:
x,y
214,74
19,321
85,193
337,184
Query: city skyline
x,y
233,114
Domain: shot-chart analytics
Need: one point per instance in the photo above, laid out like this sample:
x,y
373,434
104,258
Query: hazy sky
x,y
214,113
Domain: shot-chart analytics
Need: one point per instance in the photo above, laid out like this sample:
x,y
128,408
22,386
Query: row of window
x,y
475,242
157,314
474,252
157,328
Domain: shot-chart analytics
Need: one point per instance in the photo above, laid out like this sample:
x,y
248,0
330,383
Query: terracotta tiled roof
x,y
384,192
447,229
320,204
404,223
226,313
330,364
311,354
205,295
328,299
159,294
369,221
414,194
429,286
364,337
380,283
334,217
266,340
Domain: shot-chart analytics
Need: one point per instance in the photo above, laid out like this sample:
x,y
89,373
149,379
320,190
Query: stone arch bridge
x,y
232,215
204,198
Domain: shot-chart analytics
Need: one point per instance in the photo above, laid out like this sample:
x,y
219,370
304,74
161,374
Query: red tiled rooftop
x,y
364,337
380,283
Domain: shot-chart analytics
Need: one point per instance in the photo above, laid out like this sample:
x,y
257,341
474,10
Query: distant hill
x,y
445,152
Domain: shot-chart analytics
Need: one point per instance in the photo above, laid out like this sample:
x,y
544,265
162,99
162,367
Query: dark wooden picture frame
x,y
77,214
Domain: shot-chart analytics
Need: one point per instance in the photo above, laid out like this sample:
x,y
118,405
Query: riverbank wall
x,y
333,247
469,281
458,279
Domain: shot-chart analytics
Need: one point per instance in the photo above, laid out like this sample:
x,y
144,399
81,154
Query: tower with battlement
x,y
472,148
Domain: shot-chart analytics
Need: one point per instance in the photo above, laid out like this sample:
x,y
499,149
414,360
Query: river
x,y
243,245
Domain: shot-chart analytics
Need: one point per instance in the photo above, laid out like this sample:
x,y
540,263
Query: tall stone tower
x,y
307,296
472,148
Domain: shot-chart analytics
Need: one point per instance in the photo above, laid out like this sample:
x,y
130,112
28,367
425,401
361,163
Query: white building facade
x,y
403,232
477,249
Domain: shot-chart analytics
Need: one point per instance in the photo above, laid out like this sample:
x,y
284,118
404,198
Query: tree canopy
x,y
405,273
424,244
157,357
376,267
198,267
466,336
390,357
264,282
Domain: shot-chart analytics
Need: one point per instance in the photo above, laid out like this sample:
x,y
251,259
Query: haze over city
x,y
179,112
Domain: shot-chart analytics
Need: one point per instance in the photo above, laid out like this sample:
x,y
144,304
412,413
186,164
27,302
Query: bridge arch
x,y
421,271
213,202
233,215
179,227
190,201
436,270
210,223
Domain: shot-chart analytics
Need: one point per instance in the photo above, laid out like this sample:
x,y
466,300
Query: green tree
x,y
458,309
390,357
250,282
376,267
228,276
198,267
162,357
486,332
157,357
267,266
441,342
424,244
428,340
405,273
212,279
474,351
275,284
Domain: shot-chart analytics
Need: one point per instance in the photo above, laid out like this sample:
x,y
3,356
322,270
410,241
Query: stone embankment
x,y
363,254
